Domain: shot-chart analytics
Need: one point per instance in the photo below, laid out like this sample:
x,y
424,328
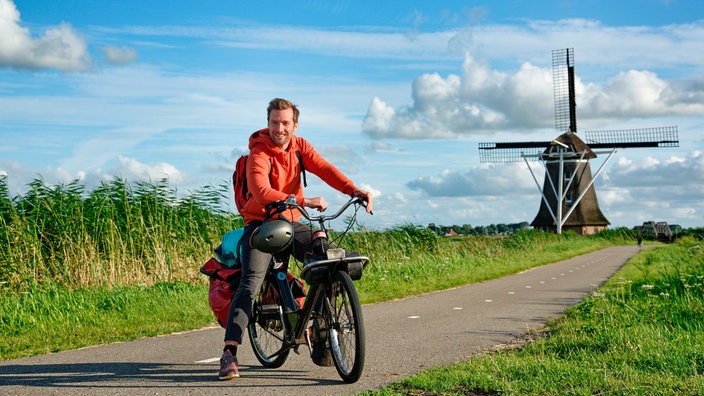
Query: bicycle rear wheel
x,y
267,328
346,335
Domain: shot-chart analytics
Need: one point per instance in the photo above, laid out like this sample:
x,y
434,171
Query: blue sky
x,y
397,94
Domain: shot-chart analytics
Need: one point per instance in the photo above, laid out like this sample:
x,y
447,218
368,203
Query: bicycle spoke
x,y
267,332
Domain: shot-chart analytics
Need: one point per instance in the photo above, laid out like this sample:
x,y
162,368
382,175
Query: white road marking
x,y
413,317
211,360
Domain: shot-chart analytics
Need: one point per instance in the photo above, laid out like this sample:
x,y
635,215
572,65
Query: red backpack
x,y
239,180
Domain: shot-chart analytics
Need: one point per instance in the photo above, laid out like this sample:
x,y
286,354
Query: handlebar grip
x,y
362,202
275,207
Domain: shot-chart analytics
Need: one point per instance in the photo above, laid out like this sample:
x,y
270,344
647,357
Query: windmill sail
x,y
563,90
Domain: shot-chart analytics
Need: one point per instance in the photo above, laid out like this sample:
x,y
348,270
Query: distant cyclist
x,y
273,174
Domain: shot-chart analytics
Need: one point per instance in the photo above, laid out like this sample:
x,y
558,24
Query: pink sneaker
x,y
228,367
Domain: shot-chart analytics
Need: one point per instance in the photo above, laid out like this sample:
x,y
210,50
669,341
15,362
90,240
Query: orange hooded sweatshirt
x,y
274,174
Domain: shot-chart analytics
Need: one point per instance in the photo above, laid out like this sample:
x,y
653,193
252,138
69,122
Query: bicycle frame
x,y
279,324
319,273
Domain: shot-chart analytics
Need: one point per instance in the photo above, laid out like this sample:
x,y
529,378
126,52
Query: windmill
x,y
569,200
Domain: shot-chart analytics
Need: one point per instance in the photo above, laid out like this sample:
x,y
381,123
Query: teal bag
x,y
228,253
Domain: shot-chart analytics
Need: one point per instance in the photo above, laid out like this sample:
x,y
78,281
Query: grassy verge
x,y
642,333
54,319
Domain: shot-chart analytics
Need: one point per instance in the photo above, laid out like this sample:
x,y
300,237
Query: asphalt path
x,y
403,337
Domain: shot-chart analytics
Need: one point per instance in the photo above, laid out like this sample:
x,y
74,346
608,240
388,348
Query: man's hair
x,y
282,104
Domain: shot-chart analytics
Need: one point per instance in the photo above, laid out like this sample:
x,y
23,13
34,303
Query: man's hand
x,y
318,203
365,195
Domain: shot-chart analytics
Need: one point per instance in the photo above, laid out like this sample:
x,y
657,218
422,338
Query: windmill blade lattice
x,y
510,151
563,90
624,138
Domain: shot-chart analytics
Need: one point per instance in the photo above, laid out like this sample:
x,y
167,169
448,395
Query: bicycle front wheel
x,y
267,328
346,335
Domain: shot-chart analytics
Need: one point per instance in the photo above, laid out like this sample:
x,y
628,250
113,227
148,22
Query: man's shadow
x,y
137,375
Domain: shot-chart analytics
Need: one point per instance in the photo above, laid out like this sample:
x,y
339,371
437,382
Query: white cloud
x,y
482,100
368,43
599,45
376,193
59,47
343,157
132,170
670,174
642,94
129,169
479,101
119,55
491,180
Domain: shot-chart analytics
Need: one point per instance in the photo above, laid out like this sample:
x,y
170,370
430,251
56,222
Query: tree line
x,y
467,229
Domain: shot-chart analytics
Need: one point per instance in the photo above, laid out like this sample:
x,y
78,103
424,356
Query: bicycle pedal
x,y
270,309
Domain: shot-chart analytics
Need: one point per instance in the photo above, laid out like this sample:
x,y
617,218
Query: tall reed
x,y
116,234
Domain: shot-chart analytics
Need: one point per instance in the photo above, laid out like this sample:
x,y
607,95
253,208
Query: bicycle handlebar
x,y
280,206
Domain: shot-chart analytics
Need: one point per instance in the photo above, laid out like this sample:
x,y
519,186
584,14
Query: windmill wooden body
x,y
569,200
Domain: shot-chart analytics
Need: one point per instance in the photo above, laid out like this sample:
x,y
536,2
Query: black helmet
x,y
272,236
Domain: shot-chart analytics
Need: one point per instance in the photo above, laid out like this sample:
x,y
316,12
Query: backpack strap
x,y
303,168
239,178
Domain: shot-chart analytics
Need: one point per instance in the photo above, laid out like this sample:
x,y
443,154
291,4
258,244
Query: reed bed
x,y
116,234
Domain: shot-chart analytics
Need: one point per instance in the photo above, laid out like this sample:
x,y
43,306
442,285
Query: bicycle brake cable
x,y
350,224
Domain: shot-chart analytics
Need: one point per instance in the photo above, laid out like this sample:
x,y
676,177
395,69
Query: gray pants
x,y
254,266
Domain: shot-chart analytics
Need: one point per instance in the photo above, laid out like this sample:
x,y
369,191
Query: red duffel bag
x,y
224,281
223,285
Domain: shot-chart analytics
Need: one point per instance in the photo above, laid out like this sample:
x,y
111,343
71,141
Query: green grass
x,y
52,319
642,333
